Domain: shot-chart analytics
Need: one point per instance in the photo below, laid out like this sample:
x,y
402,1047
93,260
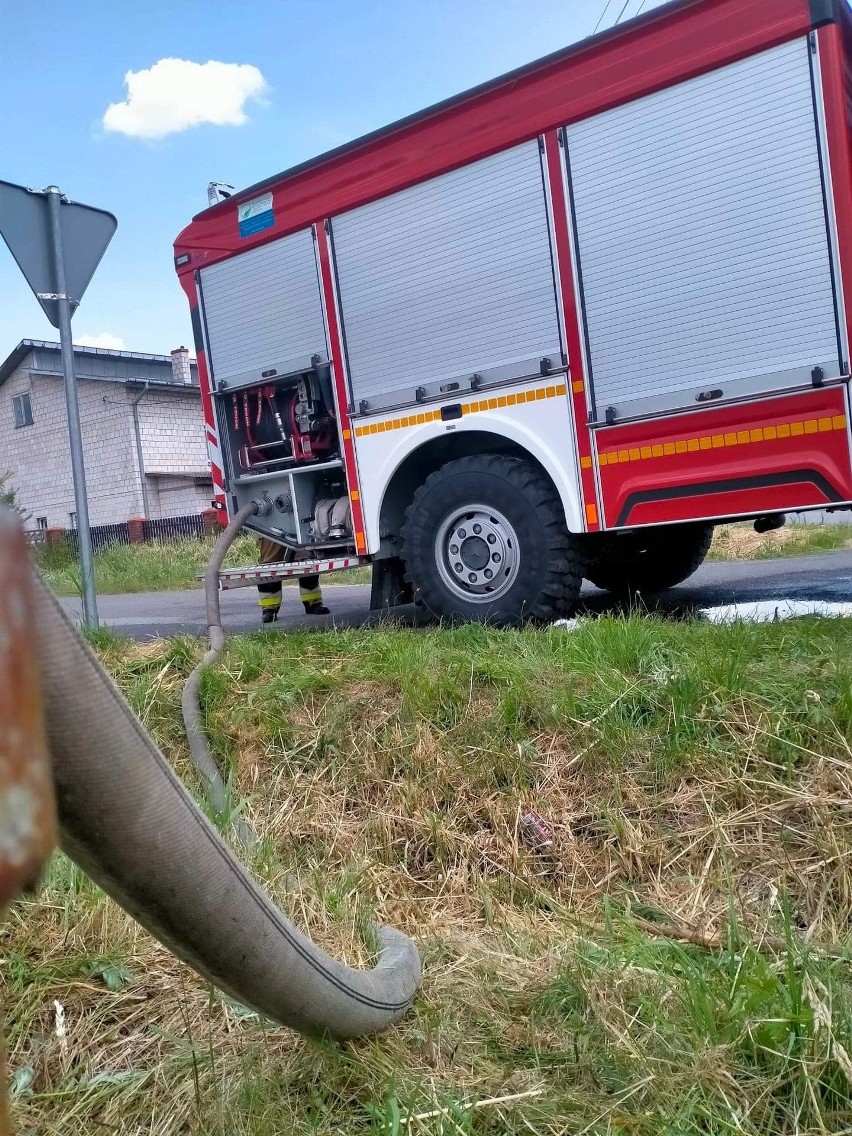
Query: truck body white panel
x,y
540,424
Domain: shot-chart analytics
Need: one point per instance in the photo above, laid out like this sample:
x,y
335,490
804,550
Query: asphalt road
x,y
142,616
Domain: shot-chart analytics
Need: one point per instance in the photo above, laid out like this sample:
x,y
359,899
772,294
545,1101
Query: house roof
x,y
126,359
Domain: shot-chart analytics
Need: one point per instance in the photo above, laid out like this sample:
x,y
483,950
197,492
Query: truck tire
x,y
650,560
484,540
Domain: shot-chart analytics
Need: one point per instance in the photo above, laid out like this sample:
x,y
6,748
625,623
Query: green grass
x,y
153,567
668,968
169,567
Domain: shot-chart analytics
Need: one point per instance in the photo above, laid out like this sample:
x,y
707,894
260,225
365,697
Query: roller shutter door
x,y
263,309
702,237
448,278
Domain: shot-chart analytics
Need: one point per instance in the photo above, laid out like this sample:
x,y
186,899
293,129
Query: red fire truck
x,y
556,327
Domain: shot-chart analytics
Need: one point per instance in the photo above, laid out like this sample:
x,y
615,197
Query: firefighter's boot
x,y
310,593
269,599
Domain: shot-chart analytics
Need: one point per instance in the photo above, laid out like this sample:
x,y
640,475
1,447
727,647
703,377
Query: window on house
x,y
22,409
41,523
72,517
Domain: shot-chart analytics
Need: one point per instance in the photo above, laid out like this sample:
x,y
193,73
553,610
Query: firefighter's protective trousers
x,y
269,596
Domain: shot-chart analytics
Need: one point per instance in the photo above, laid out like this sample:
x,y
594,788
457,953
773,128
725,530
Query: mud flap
x,y
390,587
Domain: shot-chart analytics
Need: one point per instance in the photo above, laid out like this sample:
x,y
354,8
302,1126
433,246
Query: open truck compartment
x,y
272,392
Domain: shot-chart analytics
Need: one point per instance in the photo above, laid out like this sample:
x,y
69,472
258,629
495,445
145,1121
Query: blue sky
x,y
329,70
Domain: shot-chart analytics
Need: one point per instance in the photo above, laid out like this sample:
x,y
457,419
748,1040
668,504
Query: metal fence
x,y
166,530
102,535
173,529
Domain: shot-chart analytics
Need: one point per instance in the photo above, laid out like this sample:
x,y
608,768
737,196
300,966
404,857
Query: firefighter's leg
x,y
310,593
269,598
269,595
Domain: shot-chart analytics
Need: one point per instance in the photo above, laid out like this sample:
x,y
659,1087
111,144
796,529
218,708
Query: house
x,y
143,434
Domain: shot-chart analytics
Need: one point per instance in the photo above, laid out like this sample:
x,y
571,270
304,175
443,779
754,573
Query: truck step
x,y
230,578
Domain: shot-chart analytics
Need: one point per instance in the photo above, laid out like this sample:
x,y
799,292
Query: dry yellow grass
x,y
741,542
698,782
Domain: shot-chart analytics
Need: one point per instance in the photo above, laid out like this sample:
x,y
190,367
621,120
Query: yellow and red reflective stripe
x,y
746,437
474,406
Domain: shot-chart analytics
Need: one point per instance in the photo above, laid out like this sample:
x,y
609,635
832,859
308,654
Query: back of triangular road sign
x,y
25,227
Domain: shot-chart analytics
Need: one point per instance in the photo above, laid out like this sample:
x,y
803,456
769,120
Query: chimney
x,y
181,370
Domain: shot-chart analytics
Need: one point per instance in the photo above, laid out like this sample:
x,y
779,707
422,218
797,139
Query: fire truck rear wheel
x,y
485,540
650,560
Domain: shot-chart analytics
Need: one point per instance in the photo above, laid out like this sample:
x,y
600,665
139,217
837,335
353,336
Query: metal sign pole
x,y
75,437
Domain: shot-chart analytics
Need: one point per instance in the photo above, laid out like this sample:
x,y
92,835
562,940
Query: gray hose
x,y
193,721
127,820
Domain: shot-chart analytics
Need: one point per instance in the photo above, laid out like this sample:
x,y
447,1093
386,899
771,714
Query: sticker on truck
x,y
255,216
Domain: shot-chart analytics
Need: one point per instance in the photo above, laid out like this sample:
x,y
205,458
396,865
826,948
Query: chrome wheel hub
x,y
477,553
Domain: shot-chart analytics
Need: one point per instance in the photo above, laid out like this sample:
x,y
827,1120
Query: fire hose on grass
x,y
193,720
127,820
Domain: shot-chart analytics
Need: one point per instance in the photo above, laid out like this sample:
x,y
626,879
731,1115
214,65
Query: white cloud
x,y
175,94
103,339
